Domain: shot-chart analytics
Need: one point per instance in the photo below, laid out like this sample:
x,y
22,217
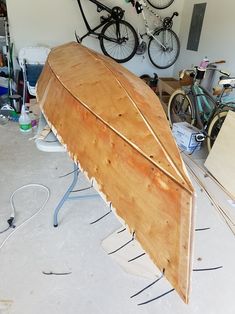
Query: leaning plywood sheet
x,y
220,161
219,197
113,124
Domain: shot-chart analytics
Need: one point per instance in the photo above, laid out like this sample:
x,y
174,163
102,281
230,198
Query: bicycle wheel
x,y
214,127
180,108
164,48
160,4
118,40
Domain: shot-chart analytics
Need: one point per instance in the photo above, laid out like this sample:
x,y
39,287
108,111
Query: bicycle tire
x,y
215,126
171,51
175,114
112,49
160,4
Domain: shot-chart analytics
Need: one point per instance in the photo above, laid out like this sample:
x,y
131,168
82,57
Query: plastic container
x,y
203,64
25,121
202,69
33,120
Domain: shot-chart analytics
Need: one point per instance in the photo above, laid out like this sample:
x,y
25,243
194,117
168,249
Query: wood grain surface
x,y
113,124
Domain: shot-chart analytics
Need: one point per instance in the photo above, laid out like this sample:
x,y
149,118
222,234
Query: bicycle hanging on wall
x,y
160,4
164,44
118,39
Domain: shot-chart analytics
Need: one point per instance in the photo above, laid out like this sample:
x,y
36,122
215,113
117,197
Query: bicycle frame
x,y
196,105
117,38
150,32
92,31
202,96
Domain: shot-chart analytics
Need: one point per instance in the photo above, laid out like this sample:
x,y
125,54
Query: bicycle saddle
x,y
225,80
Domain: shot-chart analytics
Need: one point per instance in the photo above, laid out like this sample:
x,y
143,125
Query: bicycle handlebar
x,y
217,62
192,72
207,69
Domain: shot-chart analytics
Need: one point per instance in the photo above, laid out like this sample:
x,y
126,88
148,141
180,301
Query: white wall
x,y
217,36
53,22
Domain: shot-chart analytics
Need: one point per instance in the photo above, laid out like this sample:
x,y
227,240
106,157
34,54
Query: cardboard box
x,y
184,134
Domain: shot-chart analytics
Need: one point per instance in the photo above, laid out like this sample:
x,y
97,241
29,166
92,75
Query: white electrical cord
x,y
31,217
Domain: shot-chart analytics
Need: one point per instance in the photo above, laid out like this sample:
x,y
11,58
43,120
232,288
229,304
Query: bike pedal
x,y
104,18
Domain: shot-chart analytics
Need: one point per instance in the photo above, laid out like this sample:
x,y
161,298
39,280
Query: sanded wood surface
x,y
113,124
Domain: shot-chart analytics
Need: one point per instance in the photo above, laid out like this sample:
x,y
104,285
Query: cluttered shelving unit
x,y
9,77
4,49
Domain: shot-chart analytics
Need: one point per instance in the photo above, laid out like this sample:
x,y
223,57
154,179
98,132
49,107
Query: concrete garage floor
x,y
96,285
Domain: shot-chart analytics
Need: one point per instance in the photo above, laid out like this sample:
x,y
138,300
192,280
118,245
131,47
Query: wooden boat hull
x,y
114,126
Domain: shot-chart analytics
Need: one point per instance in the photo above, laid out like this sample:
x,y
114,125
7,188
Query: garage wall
x,y
217,39
53,22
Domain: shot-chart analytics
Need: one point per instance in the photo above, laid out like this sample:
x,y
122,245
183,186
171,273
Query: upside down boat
x,y
113,124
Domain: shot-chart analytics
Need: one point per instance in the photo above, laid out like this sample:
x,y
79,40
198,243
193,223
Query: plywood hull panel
x,y
156,204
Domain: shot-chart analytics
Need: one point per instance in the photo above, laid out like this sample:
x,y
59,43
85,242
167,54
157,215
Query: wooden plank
x,y
112,124
220,161
167,85
217,195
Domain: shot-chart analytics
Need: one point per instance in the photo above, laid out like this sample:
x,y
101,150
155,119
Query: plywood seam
x,y
126,140
182,175
159,205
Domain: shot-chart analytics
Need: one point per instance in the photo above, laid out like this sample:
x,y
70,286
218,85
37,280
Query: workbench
x,y
166,87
